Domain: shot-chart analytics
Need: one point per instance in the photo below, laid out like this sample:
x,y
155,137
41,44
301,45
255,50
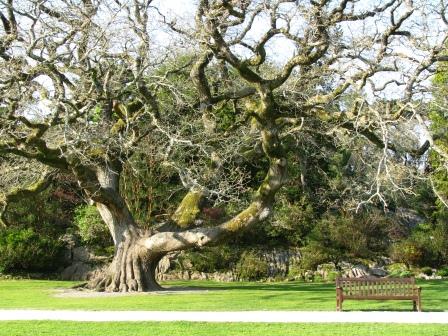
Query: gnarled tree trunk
x,y
133,267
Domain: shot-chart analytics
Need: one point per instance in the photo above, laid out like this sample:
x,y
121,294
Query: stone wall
x,y
83,264
279,262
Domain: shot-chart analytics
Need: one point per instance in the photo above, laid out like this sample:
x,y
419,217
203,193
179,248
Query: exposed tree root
x,y
133,269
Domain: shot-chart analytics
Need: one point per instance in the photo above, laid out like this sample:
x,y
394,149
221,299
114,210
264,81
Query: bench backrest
x,y
377,286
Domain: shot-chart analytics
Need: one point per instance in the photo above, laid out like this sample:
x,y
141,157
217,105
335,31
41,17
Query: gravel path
x,y
241,316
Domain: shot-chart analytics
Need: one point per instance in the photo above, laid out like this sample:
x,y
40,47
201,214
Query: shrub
x,y
331,276
313,255
417,250
396,269
292,221
250,267
212,259
406,274
91,228
426,270
340,236
295,272
443,272
399,270
407,252
22,249
318,278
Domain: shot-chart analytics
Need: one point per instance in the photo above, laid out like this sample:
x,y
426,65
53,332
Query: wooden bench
x,y
377,289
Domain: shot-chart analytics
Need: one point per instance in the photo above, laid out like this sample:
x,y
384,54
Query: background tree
x,y
83,83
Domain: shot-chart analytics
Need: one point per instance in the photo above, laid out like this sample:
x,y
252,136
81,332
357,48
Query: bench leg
x,y
417,305
339,305
339,299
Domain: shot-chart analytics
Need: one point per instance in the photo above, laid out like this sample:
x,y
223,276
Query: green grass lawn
x,y
37,294
215,329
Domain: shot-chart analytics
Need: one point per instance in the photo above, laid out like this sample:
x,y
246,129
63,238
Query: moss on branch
x,y
243,219
188,209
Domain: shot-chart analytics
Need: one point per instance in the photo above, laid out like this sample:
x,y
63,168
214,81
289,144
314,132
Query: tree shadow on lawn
x,y
186,287
283,287
431,285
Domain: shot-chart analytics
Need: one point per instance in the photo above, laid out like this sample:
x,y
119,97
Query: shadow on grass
x,y
284,287
389,309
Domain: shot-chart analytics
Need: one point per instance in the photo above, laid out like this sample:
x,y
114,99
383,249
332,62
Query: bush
x,y
408,252
211,259
292,221
399,270
426,270
22,249
318,278
295,272
331,276
340,236
406,274
443,272
250,267
313,255
91,228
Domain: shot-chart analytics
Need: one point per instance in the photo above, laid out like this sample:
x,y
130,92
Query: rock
x,y
383,261
224,277
354,271
78,271
324,270
164,265
308,276
196,276
70,240
67,256
277,261
428,277
378,272
409,217
82,254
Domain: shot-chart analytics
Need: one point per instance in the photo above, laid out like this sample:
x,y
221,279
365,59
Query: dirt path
x,y
241,316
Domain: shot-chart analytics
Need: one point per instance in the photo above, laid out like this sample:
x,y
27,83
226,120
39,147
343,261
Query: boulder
x,y
78,271
378,272
81,254
355,271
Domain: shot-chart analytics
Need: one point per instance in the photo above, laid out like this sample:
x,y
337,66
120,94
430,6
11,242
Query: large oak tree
x,y
84,83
